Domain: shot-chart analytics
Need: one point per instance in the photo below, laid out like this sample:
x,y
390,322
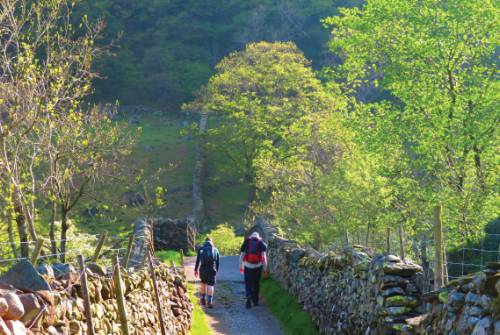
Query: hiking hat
x,y
255,235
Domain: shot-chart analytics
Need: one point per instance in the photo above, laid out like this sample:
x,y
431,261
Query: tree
x,y
45,69
437,60
85,148
256,98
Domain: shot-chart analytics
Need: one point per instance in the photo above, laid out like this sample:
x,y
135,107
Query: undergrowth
x,y
224,238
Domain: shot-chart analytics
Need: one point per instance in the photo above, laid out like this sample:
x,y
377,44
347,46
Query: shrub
x,y
225,239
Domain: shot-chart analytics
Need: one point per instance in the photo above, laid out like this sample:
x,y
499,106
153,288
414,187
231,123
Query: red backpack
x,y
253,254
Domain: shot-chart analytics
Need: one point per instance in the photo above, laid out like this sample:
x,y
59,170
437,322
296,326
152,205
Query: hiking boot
x,y
210,305
203,301
249,303
256,302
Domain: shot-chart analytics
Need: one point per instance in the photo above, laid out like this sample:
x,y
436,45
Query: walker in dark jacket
x,y
207,266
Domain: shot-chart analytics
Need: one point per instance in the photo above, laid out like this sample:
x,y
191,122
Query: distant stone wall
x,y
348,293
174,234
198,174
165,234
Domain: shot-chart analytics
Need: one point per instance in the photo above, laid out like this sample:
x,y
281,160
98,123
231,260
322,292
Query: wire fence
x,y
459,261
84,244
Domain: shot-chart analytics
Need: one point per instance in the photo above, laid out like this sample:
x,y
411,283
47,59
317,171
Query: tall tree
x,y
45,70
256,98
437,59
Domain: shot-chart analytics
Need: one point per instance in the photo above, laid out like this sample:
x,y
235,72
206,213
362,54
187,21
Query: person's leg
x,y
210,294
256,286
210,284
248,286
203,293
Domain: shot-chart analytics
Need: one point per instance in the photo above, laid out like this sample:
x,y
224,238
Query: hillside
x,y
165,50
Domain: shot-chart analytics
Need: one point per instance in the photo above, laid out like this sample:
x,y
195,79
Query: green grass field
x,y
161,145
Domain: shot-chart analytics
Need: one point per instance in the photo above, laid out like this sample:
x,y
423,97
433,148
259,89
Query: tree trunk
x,y
252,192
23,230
367,240
401,234
64,230
479,168
318,240
52,232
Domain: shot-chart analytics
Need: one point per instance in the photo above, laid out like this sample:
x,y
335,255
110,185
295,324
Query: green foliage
x,y
169,255
258,97
224,239
168,48
438,132
286,308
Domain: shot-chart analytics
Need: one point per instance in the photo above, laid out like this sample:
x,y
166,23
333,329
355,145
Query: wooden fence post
x,y
401,243
157,294
120,298
172,266
388,241
98,249
347,237
438,235
445,264
181,252
129,250
37,251
86,298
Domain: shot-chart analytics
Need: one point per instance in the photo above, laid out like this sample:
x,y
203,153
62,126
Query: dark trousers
x,y
252,283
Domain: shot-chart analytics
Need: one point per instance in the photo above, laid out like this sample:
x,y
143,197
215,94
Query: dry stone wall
x,y
174,234
356,292
352,292
49,299
468,305
60,308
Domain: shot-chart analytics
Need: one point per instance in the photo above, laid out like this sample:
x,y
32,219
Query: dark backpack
x,y
207,255
253,254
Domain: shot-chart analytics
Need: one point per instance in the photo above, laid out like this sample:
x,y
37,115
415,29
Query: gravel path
x,y
229,316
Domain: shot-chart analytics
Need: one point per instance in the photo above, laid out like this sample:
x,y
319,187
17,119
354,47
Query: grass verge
x,y
199,325
287,310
